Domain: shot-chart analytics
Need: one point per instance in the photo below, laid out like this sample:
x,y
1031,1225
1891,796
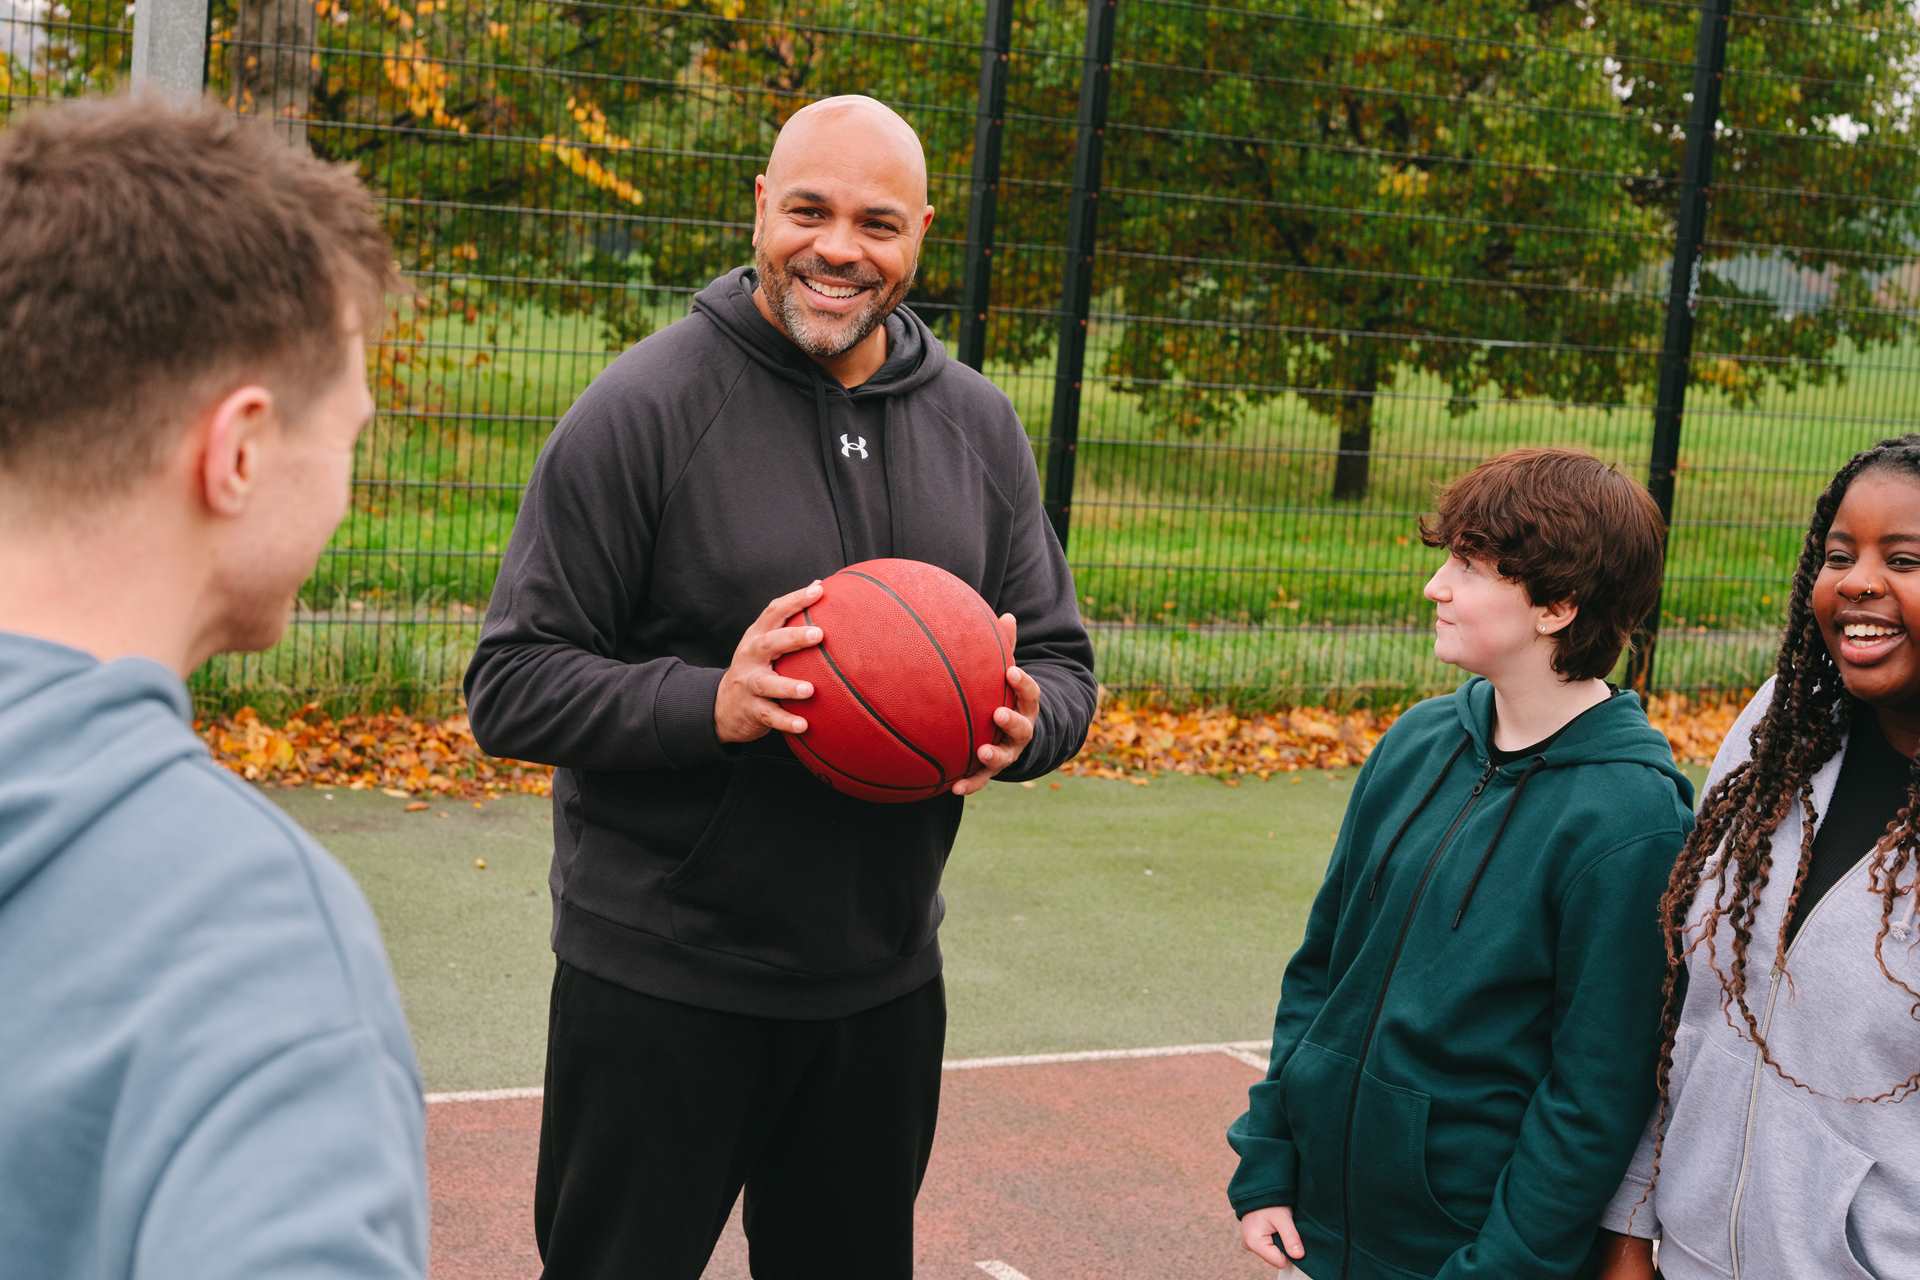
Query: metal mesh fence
x,y
50,50
1333,255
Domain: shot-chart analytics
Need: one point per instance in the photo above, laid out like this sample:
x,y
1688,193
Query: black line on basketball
x,y
938,770
966,712
881,786
1006,660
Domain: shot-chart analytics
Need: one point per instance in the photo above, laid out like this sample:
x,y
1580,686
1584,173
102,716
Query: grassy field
x,y
1210,566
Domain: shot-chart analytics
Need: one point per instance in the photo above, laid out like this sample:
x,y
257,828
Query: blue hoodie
x,y
203,1066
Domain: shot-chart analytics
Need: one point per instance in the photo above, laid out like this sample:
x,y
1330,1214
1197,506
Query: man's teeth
x,y
832,291
1868,631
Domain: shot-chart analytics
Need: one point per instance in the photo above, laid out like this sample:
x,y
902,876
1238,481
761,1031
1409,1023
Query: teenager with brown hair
x,y
1463,1051
206,1069
1792,998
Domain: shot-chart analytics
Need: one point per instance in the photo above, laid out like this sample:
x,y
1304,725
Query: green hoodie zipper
x,y
1380,1004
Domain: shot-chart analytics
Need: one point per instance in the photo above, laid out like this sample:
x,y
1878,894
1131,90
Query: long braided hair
x,y
1803,727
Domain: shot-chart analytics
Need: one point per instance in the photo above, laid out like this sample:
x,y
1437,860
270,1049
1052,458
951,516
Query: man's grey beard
x,y
816,341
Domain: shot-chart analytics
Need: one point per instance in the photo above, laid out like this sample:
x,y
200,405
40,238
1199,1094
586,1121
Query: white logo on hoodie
x,y
850,447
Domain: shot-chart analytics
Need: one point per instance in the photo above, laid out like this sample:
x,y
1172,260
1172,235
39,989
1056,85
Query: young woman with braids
x,y
1463,1052
1780,1149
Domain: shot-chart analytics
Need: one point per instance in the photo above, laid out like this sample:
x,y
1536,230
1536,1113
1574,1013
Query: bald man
x,y
748,984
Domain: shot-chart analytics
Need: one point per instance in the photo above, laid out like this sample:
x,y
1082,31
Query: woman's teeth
x,y
1867,631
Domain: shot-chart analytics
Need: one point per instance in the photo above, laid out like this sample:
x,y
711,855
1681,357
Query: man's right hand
x,y
746,706
1258,1229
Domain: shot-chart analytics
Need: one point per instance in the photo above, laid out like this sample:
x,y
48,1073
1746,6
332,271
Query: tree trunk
x,y
1355,416
272,63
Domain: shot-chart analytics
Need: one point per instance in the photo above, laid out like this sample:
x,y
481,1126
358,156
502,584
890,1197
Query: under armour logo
x,y
850,447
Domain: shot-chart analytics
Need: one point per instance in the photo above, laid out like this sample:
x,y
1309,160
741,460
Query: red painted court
x,y
1045,1168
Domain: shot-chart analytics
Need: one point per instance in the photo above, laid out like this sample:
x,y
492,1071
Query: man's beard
x,y
820,340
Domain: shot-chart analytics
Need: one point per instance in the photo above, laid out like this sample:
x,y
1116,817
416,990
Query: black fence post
x,y
1683,295
989,126
1076,294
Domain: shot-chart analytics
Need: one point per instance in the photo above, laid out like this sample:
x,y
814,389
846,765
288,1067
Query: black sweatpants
x,y
656,1115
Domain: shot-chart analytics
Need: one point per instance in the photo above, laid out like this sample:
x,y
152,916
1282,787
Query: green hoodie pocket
x,y
1401,1221
1381,1174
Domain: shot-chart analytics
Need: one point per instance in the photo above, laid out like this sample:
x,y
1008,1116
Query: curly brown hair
x,y
1730,847
1565,526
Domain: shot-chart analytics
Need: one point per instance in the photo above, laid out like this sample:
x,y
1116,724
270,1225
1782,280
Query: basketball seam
x,y
934,787
966,709
938,770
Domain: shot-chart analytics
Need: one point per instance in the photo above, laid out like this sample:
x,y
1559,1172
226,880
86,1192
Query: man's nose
x,y
837,243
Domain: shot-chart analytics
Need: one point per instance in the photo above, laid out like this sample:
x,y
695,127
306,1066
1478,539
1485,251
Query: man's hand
x,y
1625,1257
745,708
1013,725
1257,1232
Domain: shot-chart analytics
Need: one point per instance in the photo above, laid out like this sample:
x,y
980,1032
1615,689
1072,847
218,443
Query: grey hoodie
x,y
203,1067
1760,1180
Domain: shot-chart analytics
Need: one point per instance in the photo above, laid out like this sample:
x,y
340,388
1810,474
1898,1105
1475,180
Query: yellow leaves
x,y
591,124
1135,742
409,758
411,69
1406,184
400,756
1725,373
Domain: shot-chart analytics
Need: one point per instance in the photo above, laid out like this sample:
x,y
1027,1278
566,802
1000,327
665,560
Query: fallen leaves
x,y
409,758
402,756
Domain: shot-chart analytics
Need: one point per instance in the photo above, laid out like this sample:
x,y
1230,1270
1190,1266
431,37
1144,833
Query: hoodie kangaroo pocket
x,y
1802,1182
1409,1225
1700,1156
799,877
1378,1169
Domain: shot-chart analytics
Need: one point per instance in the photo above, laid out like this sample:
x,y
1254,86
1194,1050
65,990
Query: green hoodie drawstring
x,y
1378,872
1538,763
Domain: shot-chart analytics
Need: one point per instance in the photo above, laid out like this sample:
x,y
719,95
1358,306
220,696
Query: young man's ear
x,y
1556,618
231,436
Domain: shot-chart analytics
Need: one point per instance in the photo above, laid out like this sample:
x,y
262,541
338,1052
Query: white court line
x,y
999,1270
486,1095
1246,1051
1105,1055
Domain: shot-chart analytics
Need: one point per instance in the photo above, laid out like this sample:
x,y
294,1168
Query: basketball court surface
x,y
1048,1167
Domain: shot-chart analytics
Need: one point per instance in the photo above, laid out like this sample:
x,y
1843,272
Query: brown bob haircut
x,y
1565,526
156,253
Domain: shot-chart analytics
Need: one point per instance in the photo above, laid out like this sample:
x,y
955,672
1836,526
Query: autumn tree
x,y
1485,191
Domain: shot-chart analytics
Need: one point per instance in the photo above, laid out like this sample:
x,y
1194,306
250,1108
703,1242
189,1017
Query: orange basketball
x,y
905,681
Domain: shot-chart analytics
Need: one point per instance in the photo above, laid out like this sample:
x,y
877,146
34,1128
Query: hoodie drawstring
x,y
1380,871
1534,766
1902,929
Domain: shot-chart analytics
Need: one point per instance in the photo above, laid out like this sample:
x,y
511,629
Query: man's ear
x,y
759,205
232,434
926,220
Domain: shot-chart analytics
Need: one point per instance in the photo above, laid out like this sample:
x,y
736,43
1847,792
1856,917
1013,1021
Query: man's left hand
x,y
1013,725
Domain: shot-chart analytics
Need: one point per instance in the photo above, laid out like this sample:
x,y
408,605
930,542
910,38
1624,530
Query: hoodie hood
x,y
77,735
914,356
1612,732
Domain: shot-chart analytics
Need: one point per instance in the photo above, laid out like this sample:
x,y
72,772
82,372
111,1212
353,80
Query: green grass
x,y
1225,568
1100,915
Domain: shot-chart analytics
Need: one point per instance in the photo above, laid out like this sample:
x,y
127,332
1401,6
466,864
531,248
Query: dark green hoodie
x,y
1463,1053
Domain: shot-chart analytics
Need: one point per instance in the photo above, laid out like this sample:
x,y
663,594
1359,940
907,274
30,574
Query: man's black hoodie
x,y
700,476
